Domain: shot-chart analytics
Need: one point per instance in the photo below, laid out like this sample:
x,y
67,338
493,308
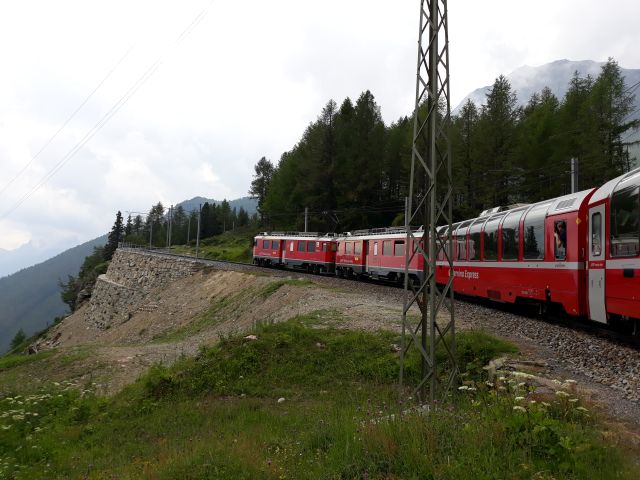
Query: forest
x,y
351,171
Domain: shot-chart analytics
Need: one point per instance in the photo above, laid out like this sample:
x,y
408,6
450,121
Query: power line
x,y
107,116
66,122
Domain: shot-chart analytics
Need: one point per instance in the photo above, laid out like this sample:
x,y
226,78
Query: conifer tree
x,y
115,237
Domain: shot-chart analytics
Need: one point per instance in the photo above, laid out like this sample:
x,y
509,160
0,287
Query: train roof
x,y
605,191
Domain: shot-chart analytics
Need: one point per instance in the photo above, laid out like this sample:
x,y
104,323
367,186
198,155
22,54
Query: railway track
x,y
528,311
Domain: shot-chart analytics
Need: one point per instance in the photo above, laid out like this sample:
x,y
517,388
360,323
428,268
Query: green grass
x,y
235,246
12,360
217,416
273,287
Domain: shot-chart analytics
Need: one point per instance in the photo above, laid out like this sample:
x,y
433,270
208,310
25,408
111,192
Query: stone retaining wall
x,y
130,277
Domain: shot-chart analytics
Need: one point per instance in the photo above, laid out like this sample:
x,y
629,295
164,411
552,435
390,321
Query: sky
x,y
117,105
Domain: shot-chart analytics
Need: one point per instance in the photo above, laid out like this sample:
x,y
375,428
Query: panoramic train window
x,y
475,234
461,241
398,248
266,244
560,239
511,236
625,222
534,232
357,248
491,239
386,248
275,244
301,245
311,247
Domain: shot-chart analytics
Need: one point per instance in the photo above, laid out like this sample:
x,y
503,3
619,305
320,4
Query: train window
x,y
560,239
357,248
334,247
311,247
511,236
375,248
398,248
348,248
475,234
291,242
266,244
596,234
386,248
324,246
275,245
534,232
301,245
491,239
625,222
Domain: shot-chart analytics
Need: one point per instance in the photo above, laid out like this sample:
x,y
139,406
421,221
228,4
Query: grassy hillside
x,y
235,246
303,402
30,298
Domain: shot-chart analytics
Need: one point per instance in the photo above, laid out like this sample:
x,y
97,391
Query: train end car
x,y
613,245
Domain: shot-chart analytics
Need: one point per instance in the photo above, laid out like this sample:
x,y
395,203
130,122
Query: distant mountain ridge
x,y
528,80
30,298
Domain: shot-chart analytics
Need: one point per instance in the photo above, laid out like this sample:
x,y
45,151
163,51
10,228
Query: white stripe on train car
x,y
525,264
622,263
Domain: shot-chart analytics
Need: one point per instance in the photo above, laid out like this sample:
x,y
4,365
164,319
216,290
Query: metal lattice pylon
x,y
430,203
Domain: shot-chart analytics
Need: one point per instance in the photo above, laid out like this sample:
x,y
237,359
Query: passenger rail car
x,y
580,252
302,250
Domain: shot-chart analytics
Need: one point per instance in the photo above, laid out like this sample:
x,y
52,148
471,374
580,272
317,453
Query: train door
x,y
597,262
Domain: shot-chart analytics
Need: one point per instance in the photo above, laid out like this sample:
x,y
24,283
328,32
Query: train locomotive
x,y
579,252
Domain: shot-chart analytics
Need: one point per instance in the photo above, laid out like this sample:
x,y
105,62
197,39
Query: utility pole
x,y
198,232
430,203
306,218
574,175
150,232
188,227
170,224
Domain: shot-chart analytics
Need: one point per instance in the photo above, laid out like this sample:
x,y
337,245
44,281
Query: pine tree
x,y
19,337
260,184
115,237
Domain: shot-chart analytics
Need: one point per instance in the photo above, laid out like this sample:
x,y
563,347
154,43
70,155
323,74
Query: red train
x,y
580,252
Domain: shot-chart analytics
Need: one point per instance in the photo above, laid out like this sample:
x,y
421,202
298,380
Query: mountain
x,y
28,254
527,80
30,298
249,204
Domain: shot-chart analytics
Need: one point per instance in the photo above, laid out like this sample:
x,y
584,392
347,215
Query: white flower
x,y
463,387
562,394
582,409
546,404
518,408
519,399
573,400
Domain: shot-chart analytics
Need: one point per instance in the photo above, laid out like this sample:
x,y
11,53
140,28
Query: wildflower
x,y
463,387
582,409
562,394
521,384
489,384
518,408
472,389
573,400
532,402
545,404
519,399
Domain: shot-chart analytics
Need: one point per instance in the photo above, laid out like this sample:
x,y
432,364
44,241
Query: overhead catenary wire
x,y
107,116
66,122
